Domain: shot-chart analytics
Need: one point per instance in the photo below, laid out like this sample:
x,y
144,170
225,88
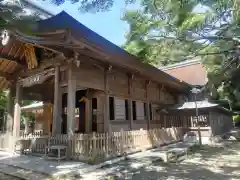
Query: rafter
x,y
13,59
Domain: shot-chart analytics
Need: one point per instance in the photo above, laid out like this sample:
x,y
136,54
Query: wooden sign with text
x,y
36,79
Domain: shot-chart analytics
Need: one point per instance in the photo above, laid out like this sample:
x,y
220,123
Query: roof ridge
x,y
181,64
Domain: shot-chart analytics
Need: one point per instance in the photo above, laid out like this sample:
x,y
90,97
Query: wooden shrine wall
x,y
122,87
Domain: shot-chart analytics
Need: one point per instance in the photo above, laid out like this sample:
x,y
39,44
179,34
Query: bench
x,y
59,148
58,143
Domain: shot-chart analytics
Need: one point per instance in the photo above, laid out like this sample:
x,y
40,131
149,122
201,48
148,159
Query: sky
x,y
107,24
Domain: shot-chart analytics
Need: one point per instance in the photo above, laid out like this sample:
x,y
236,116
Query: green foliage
x,y
3,105
91,5
13,16
167,31
146,39
236,118
3,100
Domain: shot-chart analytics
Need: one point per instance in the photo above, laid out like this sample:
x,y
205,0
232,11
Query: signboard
x,y
36,79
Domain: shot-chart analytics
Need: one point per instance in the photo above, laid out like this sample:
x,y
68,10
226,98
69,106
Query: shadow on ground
x,y
208,163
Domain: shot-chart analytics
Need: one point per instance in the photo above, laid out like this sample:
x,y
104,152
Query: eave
x,y
81,39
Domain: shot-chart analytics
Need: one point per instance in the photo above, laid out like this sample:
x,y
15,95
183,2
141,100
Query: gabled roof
x,y
191,72
117,56
65,21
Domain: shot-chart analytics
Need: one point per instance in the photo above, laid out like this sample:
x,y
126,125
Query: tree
x,y
174,30
14,15
91,5
146,39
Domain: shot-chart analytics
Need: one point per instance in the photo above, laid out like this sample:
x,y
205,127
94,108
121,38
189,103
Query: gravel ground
x,y
207,163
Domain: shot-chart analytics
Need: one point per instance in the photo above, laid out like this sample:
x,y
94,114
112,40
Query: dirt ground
x,y
206,163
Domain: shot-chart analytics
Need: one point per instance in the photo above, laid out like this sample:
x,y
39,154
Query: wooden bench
x,y
59,148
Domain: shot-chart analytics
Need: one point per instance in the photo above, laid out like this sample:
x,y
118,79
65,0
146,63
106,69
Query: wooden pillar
x,y
130,112
106,107
165,121
60,109
89,115
71,101
9,115
147,106
56,126
17,111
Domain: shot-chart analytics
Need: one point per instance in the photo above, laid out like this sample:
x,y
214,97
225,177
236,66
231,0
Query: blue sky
x,y
107,24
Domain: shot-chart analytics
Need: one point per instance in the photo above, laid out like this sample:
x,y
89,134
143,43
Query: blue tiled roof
x,y
64,21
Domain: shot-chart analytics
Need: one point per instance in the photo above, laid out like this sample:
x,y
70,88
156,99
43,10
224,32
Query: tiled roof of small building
x,y
191,72
200,104
204,104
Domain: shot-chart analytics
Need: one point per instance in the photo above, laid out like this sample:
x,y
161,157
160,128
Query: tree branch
x,y
199,38
214,53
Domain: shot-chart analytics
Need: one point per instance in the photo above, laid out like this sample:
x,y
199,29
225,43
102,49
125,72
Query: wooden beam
x,y
94,61
39,78
13,59
45,64
91,48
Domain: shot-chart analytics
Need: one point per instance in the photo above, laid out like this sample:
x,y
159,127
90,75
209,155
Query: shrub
x,y
236,120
